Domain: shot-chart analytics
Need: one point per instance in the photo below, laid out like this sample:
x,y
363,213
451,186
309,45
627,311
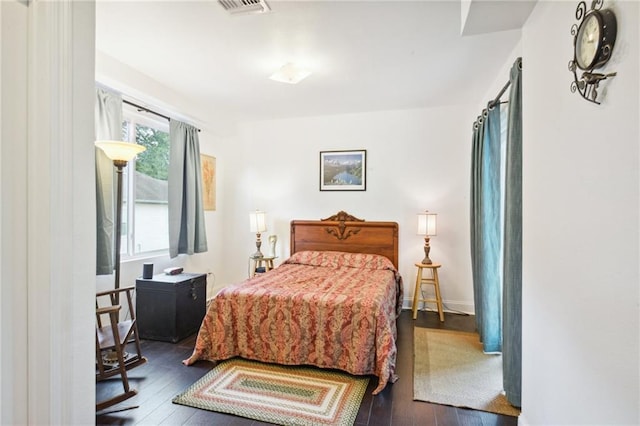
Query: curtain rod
x,y
496,101
141,108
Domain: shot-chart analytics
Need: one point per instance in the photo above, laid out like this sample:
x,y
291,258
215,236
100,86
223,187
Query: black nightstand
x,y
170,307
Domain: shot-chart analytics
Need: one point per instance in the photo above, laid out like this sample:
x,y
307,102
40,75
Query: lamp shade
x,y
427,223
118,150
257,221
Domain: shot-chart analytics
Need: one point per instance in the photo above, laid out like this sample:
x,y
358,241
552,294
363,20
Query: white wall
x,y
416,160
46,324
581,228
13,223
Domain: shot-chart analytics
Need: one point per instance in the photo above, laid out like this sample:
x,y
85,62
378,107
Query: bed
x,y
332,304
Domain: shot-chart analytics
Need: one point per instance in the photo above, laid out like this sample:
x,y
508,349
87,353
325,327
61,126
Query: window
x,y
145,222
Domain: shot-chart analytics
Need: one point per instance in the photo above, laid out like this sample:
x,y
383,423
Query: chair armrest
x,y
107,309
115,291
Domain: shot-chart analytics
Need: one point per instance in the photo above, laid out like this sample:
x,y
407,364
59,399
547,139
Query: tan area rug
x,y
450,368
278,394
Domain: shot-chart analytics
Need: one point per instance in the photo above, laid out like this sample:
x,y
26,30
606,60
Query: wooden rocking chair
x,y
112,338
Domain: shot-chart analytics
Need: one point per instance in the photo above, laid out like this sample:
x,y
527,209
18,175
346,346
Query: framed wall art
x,y
343,170
208,166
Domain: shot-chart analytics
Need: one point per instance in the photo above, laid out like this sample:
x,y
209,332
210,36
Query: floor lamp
x,y
120,153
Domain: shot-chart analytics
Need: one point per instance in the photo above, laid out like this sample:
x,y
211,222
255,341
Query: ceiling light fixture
x,y
290,73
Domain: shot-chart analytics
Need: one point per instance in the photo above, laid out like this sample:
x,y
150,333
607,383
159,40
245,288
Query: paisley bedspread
x,y
327,309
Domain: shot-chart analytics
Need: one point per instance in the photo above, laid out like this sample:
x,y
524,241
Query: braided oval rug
x,y
285,395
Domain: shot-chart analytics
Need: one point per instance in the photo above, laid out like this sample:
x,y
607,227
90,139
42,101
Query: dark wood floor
x,y
164,376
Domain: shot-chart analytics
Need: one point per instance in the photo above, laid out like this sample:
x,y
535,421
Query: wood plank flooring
x,y
164,376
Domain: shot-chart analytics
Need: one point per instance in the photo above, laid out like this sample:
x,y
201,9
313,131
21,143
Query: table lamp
x,y
257,224
427,226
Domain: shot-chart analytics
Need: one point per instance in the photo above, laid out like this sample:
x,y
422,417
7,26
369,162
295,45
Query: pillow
x,y
339,259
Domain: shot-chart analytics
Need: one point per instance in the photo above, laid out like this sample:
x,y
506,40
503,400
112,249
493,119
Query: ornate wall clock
x,y
593,39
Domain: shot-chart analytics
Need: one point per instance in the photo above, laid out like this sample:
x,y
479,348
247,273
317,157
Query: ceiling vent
x,y
237,7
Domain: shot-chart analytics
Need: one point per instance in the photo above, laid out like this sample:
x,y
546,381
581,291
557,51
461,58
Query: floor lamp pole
x,y
119,164
111,356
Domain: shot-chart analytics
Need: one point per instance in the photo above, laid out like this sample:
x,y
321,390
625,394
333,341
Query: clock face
x,y
588,41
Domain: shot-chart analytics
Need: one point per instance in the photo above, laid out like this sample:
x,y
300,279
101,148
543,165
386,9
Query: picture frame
x,y
343,170
208,170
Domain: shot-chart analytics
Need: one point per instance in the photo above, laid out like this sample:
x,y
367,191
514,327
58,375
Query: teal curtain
x,y
486,233
187,234
108,126
512,273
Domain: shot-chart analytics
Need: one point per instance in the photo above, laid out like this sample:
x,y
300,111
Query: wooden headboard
x,y
343,232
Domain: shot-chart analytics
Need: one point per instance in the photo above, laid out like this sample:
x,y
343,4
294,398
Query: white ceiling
x,y
364,55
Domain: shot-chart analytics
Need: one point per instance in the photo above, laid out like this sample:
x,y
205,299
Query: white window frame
x,y
133,116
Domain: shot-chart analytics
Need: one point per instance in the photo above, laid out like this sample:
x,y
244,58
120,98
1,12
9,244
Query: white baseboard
x,y
452,306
